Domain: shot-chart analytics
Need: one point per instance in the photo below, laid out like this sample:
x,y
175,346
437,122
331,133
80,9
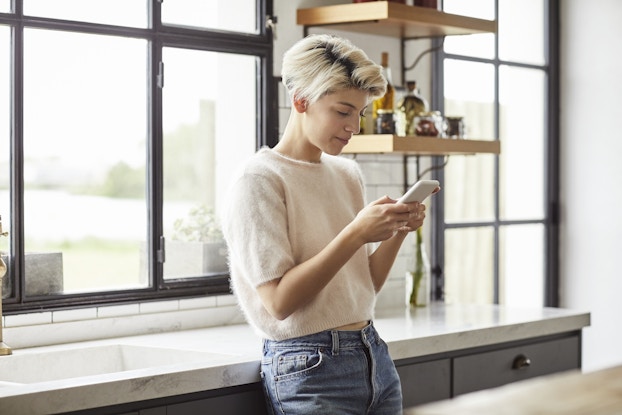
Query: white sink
x,y
73,363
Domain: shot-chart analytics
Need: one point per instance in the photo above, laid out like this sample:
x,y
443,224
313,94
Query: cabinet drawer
x,y
425,382
495,368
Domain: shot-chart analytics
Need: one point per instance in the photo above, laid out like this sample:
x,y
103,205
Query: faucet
x,y
4,349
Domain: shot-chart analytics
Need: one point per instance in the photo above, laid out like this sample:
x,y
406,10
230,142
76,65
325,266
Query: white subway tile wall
x,y
66,326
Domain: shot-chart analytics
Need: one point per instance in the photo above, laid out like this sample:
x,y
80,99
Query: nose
x,y
354,127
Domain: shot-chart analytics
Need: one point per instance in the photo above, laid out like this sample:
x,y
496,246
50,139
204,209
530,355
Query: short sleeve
x,y
255,227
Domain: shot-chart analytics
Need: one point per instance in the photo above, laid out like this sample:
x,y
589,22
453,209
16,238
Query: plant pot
x,y
185,259
44,274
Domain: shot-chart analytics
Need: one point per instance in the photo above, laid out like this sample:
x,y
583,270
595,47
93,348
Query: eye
x,y
344,114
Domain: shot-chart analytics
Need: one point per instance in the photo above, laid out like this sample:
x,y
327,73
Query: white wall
x,y
591,155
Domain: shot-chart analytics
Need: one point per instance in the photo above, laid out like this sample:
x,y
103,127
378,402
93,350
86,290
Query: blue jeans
x,y
333,373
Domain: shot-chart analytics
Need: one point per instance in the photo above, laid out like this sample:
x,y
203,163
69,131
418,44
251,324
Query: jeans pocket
x,y
297,362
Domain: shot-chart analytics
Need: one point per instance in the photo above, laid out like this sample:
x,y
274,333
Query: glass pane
x,y
479,45
481,9
521,264
469,181
515,43
131,13
469,189
470,93
209,121
469,265
5,6
230,15
5,147
84,161
522,128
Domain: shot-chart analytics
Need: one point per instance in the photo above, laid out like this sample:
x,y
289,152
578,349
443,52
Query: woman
x,y
300,238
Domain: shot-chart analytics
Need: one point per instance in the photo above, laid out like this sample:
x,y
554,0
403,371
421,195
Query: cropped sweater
x,y
279,213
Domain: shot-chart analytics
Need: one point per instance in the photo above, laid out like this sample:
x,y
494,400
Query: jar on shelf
x,y
409,107
385,122
429,124
365,1
426,3
455,127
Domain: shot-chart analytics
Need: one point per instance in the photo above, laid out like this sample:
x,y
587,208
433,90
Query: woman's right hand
x,y
381,219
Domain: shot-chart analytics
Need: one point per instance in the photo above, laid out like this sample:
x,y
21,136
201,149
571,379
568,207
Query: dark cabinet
x,y
499,367
249,402
425,382
446,375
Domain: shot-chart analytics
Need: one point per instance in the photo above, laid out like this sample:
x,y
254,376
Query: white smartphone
x,y
419,191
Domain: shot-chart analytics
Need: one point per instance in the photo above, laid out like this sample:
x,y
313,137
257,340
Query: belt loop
x,y
335,336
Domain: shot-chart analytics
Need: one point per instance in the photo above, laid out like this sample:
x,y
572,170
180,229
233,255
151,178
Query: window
x,y
496,241
120,123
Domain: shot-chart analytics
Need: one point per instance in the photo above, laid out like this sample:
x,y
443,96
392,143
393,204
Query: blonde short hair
x,y
322,64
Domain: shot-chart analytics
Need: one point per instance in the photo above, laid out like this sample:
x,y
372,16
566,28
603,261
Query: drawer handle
x,y
521,362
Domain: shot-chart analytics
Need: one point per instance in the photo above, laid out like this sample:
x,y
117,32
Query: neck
x,y
294,145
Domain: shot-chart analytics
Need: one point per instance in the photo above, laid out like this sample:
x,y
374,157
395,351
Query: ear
x,y
300,104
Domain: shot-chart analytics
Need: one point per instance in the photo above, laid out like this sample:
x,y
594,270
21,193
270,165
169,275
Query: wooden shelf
x,y
393,19
416,145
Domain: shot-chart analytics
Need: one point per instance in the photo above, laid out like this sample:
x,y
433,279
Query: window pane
x,y
209,121
515,43
469,265
115,12
481,9
84,161
4,148
522,118
521,250
479,45
469,189
470,93
5,6
230,15
469,181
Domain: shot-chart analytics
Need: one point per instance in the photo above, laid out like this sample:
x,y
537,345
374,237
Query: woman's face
x,y
331,121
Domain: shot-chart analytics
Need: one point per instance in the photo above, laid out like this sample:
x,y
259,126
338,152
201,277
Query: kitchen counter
x,y
232,355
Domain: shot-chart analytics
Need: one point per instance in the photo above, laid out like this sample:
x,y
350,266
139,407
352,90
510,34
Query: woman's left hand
x,y
416,216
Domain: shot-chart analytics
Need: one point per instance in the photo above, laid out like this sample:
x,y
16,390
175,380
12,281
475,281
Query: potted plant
x,y
197,246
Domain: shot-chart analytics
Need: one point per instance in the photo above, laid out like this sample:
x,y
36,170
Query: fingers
x,y
383,200
416,216
416,210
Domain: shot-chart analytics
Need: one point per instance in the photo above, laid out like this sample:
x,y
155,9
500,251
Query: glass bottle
x,y
410,106
5,287
418,280
385,102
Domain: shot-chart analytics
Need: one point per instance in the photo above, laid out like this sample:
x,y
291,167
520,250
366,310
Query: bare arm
x,y
381,261
376,222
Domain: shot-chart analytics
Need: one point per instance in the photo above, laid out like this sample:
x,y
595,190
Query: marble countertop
x,y
233,354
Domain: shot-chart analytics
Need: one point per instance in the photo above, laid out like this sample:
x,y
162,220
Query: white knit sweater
x,y
281,212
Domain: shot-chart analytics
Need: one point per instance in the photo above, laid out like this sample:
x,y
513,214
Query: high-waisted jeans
x,y
331,373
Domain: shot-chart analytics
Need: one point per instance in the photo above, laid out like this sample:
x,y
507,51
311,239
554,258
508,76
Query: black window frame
x,y
158,36
551,220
